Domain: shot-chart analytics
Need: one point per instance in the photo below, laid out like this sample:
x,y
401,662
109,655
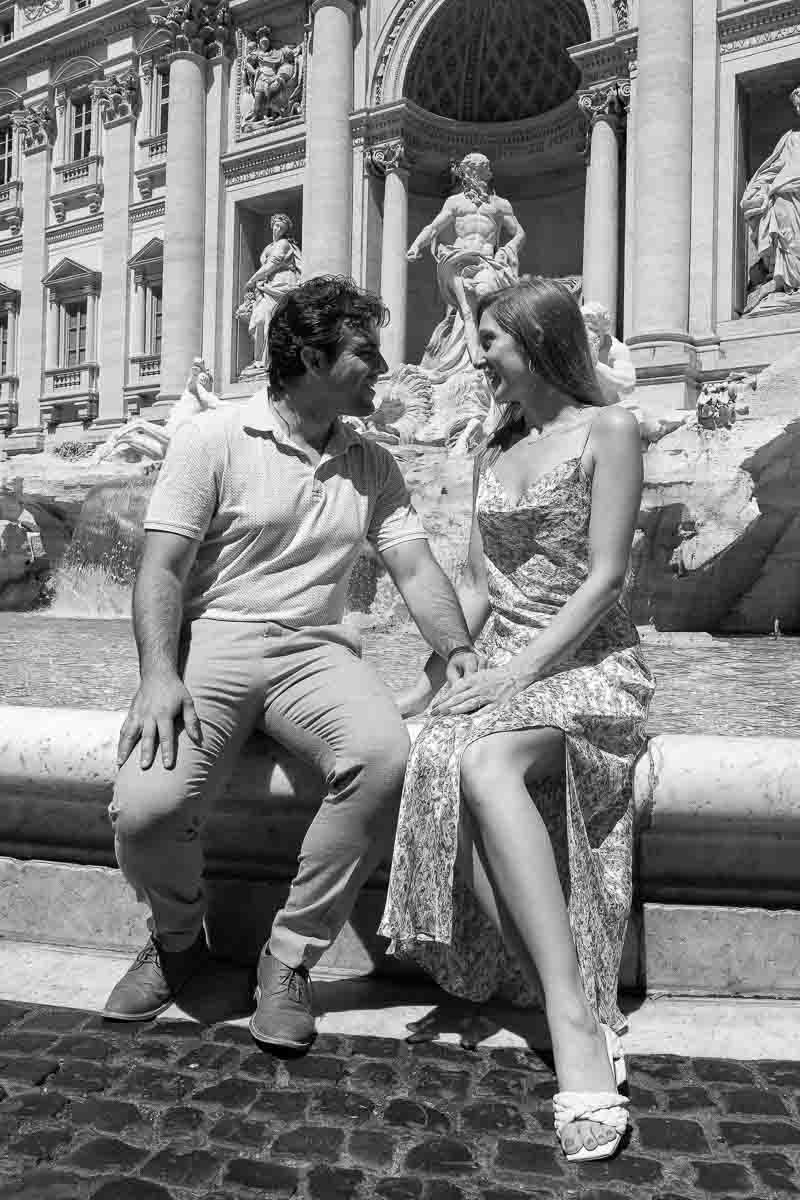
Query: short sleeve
x,y
185,497
394,518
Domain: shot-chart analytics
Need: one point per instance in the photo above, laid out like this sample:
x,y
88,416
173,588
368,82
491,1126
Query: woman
x,y
541,744
280,268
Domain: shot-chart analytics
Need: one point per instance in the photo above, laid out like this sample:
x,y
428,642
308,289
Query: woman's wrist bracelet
x,y
458,650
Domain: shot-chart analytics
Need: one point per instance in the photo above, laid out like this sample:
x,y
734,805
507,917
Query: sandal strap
x,y
607,1108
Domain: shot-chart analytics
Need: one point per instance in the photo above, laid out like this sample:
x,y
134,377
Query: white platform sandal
x,y
606,1108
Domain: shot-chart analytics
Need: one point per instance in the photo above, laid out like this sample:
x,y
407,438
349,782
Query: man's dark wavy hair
x,y
315,314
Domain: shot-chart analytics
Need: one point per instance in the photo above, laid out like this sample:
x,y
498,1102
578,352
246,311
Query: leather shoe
x,y
154,979
284,1018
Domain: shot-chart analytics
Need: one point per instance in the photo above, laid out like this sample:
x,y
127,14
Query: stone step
x,y
58,977
716,886
671,949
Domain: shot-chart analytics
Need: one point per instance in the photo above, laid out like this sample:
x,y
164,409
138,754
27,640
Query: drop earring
x,y
531,367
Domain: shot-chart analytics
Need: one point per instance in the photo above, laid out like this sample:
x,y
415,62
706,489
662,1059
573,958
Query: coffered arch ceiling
x,y
497,60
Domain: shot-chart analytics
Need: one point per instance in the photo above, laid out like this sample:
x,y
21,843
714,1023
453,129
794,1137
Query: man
x,y
255,522
615,370
472,264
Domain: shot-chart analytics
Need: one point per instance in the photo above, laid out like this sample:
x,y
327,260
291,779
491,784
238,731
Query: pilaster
x,y
216,123
117,99
35,126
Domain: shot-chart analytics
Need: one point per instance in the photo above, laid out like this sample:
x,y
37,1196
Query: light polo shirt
x,y
278,536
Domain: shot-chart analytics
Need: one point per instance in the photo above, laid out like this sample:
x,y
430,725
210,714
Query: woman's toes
x,y
589,1139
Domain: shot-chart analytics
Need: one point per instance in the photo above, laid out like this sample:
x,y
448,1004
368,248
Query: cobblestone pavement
x,y
182,1111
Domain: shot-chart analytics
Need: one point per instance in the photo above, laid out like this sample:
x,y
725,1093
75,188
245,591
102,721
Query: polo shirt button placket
x,y
317,489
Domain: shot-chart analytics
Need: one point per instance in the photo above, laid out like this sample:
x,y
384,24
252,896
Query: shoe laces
x,y
295,980
148,953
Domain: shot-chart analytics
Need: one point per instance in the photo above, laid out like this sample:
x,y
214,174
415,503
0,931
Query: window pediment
x,y
69,276
151,254
9,298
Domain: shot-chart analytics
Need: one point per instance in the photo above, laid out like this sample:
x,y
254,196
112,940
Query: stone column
x,y
184,223
392,163
603,109
663,150
328,188
117,99
35,126
197,35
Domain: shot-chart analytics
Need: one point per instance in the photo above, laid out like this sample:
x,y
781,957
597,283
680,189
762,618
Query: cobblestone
x,y
181,1111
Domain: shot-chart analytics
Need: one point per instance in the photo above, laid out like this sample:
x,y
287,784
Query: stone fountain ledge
x,y
717,907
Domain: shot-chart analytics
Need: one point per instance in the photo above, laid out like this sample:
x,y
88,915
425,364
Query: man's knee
x,y
376,763
148,804
387,757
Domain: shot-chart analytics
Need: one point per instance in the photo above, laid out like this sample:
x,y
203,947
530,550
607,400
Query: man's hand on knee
x,y
161,701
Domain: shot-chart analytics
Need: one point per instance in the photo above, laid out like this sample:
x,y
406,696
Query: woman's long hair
x,y
546,322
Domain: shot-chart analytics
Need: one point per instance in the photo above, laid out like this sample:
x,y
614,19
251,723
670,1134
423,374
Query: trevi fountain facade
x,y
166,171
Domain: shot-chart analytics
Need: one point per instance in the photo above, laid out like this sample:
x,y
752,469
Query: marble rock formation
x,y
718,547
24,558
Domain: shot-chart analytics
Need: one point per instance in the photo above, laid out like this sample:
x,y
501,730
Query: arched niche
x,y
9,99
155,43
411,19
76,68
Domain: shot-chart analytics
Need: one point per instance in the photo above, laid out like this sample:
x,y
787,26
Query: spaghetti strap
x,y
586,439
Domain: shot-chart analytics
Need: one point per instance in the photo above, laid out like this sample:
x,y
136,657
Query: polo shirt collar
x,y
260,416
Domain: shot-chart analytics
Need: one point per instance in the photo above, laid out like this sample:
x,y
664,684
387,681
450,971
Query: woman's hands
x,y
494,685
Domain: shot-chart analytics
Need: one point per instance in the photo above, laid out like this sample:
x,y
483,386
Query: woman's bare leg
x,y
520,871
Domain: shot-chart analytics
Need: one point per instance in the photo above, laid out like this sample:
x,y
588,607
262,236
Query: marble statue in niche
x,y
472,262
279,270
771,207
613,361
273,79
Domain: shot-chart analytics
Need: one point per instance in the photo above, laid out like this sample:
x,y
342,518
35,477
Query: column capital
x,y
381,160
205,29
347,6
117,96
609,102
35,125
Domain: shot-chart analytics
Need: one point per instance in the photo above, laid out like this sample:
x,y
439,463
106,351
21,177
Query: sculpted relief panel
x,y
271,82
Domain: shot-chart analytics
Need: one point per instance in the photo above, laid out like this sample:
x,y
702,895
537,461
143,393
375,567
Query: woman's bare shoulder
x,y
614,421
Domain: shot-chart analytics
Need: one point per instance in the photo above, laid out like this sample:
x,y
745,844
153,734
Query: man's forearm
x,y
157,616
475,607
433,604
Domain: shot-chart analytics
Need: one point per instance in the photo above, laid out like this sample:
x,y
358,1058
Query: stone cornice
x,y
13,246
146,212
559,133
601,62
63,233
757,24
270,159
47,44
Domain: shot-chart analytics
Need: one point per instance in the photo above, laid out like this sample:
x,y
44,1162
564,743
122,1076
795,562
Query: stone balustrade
x,y
717,892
